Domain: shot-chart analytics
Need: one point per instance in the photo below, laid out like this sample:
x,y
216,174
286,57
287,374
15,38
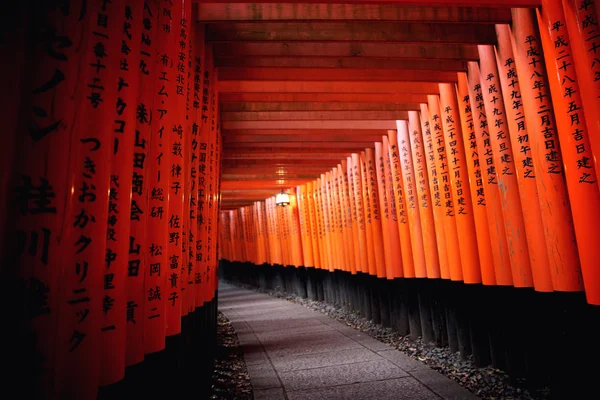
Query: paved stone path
x,y
296,353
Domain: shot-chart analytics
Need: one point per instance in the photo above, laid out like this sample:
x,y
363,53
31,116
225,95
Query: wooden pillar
x,y
574,137
505,168
498,237
459,179
476,185
433,252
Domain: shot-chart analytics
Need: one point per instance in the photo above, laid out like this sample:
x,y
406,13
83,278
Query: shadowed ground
x,y
295,353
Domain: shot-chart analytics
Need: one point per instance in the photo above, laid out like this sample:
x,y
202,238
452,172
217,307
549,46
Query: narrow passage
x,y
295,353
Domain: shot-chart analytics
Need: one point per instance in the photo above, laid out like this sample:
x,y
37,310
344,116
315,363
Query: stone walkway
x,y
295,353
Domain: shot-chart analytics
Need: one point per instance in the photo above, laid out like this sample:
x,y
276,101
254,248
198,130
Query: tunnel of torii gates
x,y
449,148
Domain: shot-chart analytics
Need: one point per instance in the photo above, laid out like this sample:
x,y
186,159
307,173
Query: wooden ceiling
x,y
303,85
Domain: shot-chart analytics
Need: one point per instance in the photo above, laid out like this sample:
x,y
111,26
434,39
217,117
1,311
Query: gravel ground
x,y
488,383
230,377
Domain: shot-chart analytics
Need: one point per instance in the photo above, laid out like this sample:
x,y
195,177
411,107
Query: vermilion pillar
x,y
314,227
526,176
85,284
394,231
404,228
425,205
476,184
42,192
367,214
581,19
459,178
442,169
505,168
411,199
393,260
375,213
574,136
362,262
349,227
436,196
138,262
498,238
118,245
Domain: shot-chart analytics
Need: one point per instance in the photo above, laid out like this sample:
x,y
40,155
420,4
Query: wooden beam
x,y
432,3
306,138
295,162
334,74
317,124
312,115
276,97
234,177
275,170
263,184
289,154
347,49
320,146
310,106
341,63
352,31
327,87
356,12
302,132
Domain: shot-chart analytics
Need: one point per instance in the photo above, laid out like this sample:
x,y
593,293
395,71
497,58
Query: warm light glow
x,y
282,199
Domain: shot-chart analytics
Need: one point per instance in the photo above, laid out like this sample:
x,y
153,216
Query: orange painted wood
x,y
337,247
89,314
582,25
550,177
383,203
308,133
372,267
537,238
314,124
113,341
387,192
311,115
311,136
321,98
137,258
363,259
423,201
338,191
476,185
341,147
459,178
247,86
466,33
320,224
410,197
262,153
334,74
349,225
362,12
294,227
403,224
433,3
333,50
574,135
505,170
441,160
436,195
343,62
498,237
313,226
329,223
375,214
315,106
